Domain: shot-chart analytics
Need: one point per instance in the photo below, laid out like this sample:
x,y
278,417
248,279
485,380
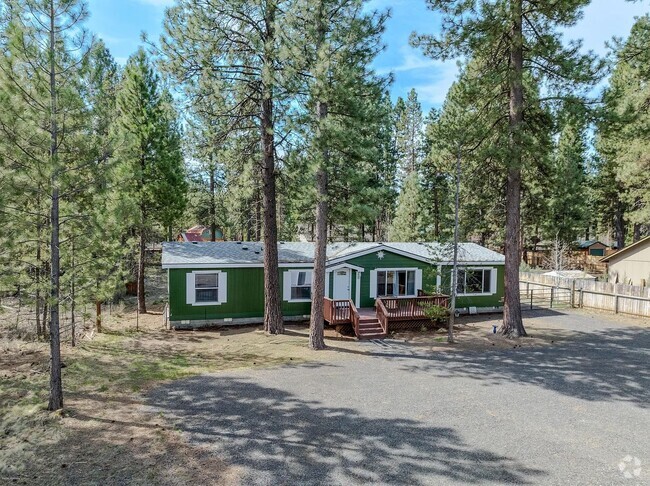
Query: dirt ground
x,y
105,436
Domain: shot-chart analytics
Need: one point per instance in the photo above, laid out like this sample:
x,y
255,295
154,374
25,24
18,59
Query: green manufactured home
x,y
217,283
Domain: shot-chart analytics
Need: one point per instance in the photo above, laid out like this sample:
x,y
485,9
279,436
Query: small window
x,y
301,285
474,281
597,252
206,287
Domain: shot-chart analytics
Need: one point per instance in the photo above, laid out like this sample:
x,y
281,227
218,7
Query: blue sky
x,y
120,22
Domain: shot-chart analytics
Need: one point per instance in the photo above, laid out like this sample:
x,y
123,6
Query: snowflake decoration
x,y
380,255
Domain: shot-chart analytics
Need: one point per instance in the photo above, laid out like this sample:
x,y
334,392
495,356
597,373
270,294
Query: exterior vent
x,y
195,242
239,242
244,248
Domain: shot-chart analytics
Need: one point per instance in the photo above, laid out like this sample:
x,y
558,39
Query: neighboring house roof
x,y
586,244
252,253
624,251
201,233
192,236
199,228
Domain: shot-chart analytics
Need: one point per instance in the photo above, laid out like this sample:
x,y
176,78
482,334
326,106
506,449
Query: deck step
x,y
370,329
371,336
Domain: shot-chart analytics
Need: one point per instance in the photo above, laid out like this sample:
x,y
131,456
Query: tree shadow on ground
x,y
275,437
604,365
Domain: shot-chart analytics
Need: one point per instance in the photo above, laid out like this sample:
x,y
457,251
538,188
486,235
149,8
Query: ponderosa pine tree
x,y
410,220
339,46
622,140
236,42
409,133
43,120
566,193
150,165
513,39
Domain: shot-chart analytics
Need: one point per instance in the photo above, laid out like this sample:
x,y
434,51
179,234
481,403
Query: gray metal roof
x,y
252,253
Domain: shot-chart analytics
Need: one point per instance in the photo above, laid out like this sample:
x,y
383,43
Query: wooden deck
x,y
388,314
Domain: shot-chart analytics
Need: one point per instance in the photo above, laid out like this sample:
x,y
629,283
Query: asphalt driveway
x,y
574,413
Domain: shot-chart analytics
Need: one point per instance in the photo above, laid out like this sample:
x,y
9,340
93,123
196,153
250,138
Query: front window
x,y
301,285
395,283
474,281
206,287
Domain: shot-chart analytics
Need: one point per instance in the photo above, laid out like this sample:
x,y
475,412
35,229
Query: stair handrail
x,y
354,317
382,315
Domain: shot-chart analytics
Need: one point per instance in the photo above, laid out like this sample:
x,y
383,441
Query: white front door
x,y
341,284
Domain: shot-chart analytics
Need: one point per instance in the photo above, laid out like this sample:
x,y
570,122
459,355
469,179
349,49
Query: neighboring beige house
x,y
631,265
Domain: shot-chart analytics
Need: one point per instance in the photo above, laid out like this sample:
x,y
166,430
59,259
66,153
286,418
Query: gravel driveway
x,y
573,413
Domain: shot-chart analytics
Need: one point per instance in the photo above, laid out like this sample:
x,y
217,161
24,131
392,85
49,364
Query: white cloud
x,y
434,91
431,78
411,60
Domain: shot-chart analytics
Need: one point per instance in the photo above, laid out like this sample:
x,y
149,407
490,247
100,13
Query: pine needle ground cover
x,y
105,435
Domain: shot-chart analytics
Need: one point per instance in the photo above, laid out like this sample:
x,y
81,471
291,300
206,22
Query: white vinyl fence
x,y
617,298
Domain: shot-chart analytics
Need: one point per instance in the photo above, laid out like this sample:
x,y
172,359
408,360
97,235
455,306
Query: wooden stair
x,y
369,328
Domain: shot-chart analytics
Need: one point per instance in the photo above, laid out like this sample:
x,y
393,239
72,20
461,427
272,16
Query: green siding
x,y
429,278
391,260
246,289
495,300
245,297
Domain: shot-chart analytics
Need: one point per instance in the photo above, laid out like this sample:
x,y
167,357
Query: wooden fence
x,y
617,298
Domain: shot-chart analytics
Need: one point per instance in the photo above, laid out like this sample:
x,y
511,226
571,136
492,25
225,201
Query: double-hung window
x,y
206,287
474,281
301,285
395,283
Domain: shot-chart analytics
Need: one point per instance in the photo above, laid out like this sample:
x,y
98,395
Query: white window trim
x,y
219,289
288,274
409,296
493,282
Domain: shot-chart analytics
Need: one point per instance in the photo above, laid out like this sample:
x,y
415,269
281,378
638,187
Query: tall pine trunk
x,y
142,304
213,206
316,331
316,324
273,321
56,387
512,321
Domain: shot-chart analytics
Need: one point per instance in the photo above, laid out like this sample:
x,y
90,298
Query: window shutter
x,y
493,280
189,288
418,280
223,287
373,284
327,283
286,285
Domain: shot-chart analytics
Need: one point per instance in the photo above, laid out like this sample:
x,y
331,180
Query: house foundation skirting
x,y
242,321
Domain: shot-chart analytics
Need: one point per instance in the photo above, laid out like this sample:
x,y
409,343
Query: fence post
x,y
572,299
552,292
531,299
581,303
527,288
615,303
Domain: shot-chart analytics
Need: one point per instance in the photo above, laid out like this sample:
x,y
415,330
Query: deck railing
x,y
410,308
338,311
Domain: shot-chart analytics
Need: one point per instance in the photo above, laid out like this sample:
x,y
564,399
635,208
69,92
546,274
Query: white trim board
x,y
232,265
345,265
376,249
